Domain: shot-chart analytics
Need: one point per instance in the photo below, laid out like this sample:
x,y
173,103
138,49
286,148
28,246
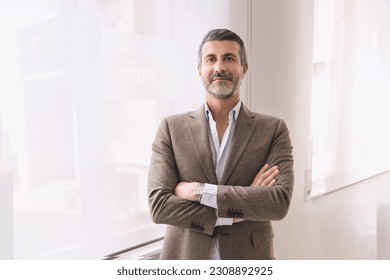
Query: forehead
x,y
220,48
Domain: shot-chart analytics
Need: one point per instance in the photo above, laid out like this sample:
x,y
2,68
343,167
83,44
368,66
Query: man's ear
x,y
245,67
199,71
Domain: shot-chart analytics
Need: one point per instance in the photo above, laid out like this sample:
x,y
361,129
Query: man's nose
x,y
219,67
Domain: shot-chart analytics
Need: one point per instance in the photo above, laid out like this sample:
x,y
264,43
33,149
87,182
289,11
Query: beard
x,y
221,85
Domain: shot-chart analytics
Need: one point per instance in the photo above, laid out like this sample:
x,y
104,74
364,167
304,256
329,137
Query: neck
x,y
220,108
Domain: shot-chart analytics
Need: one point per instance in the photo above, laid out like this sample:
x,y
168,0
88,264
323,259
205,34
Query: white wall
x,y
340,225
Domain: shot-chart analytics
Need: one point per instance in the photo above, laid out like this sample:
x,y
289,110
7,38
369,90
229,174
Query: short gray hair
x,y
223,35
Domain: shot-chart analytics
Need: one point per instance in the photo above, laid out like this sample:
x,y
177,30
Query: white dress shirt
x,y
220,154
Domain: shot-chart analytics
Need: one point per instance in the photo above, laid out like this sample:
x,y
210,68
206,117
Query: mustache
x,y
223,75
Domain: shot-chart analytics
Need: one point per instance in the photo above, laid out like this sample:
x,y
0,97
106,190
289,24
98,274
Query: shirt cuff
x,y
209,196
224,222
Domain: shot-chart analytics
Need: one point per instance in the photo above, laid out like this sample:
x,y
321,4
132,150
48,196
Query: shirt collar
x,y
235,111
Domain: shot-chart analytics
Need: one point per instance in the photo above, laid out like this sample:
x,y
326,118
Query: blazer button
x,y
234,213
197,226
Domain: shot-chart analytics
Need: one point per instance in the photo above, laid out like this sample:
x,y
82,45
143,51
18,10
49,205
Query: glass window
x,y
84,86
350,99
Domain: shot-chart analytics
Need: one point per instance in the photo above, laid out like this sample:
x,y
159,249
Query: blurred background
x,y
84,85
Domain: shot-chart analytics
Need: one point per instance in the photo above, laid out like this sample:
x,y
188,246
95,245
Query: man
x,y
219,175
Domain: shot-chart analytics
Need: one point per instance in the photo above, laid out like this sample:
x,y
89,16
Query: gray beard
x,y
221,91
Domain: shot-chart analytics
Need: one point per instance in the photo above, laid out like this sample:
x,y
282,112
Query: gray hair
x,y
223,35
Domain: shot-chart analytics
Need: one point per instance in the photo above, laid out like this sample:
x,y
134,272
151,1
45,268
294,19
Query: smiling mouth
x,y
221,77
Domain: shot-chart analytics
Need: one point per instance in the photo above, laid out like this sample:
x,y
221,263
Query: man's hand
x,y
238,220
266,176
186,191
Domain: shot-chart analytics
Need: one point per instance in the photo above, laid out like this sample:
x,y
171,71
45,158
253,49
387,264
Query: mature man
x,y
220,175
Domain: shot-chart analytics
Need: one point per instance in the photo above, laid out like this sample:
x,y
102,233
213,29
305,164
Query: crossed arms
x,y
262,195
265,177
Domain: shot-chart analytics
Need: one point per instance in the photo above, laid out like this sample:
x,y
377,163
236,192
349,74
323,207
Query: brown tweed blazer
x,y
182,152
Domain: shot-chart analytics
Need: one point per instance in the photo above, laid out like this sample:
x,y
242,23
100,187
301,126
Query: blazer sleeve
x,y
165,207
263,203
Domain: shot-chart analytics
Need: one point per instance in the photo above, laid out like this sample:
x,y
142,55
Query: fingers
x,y
272,183
266,176
264,168
262,171
271,175
185,190
238,220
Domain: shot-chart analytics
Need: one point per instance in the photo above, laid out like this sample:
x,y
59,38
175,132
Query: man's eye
x,y
229,58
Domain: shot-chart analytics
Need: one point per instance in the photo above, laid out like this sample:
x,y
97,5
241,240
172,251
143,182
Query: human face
x,y
221,69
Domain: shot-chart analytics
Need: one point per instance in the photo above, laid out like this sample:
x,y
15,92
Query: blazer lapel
x,y
243,133
198,129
